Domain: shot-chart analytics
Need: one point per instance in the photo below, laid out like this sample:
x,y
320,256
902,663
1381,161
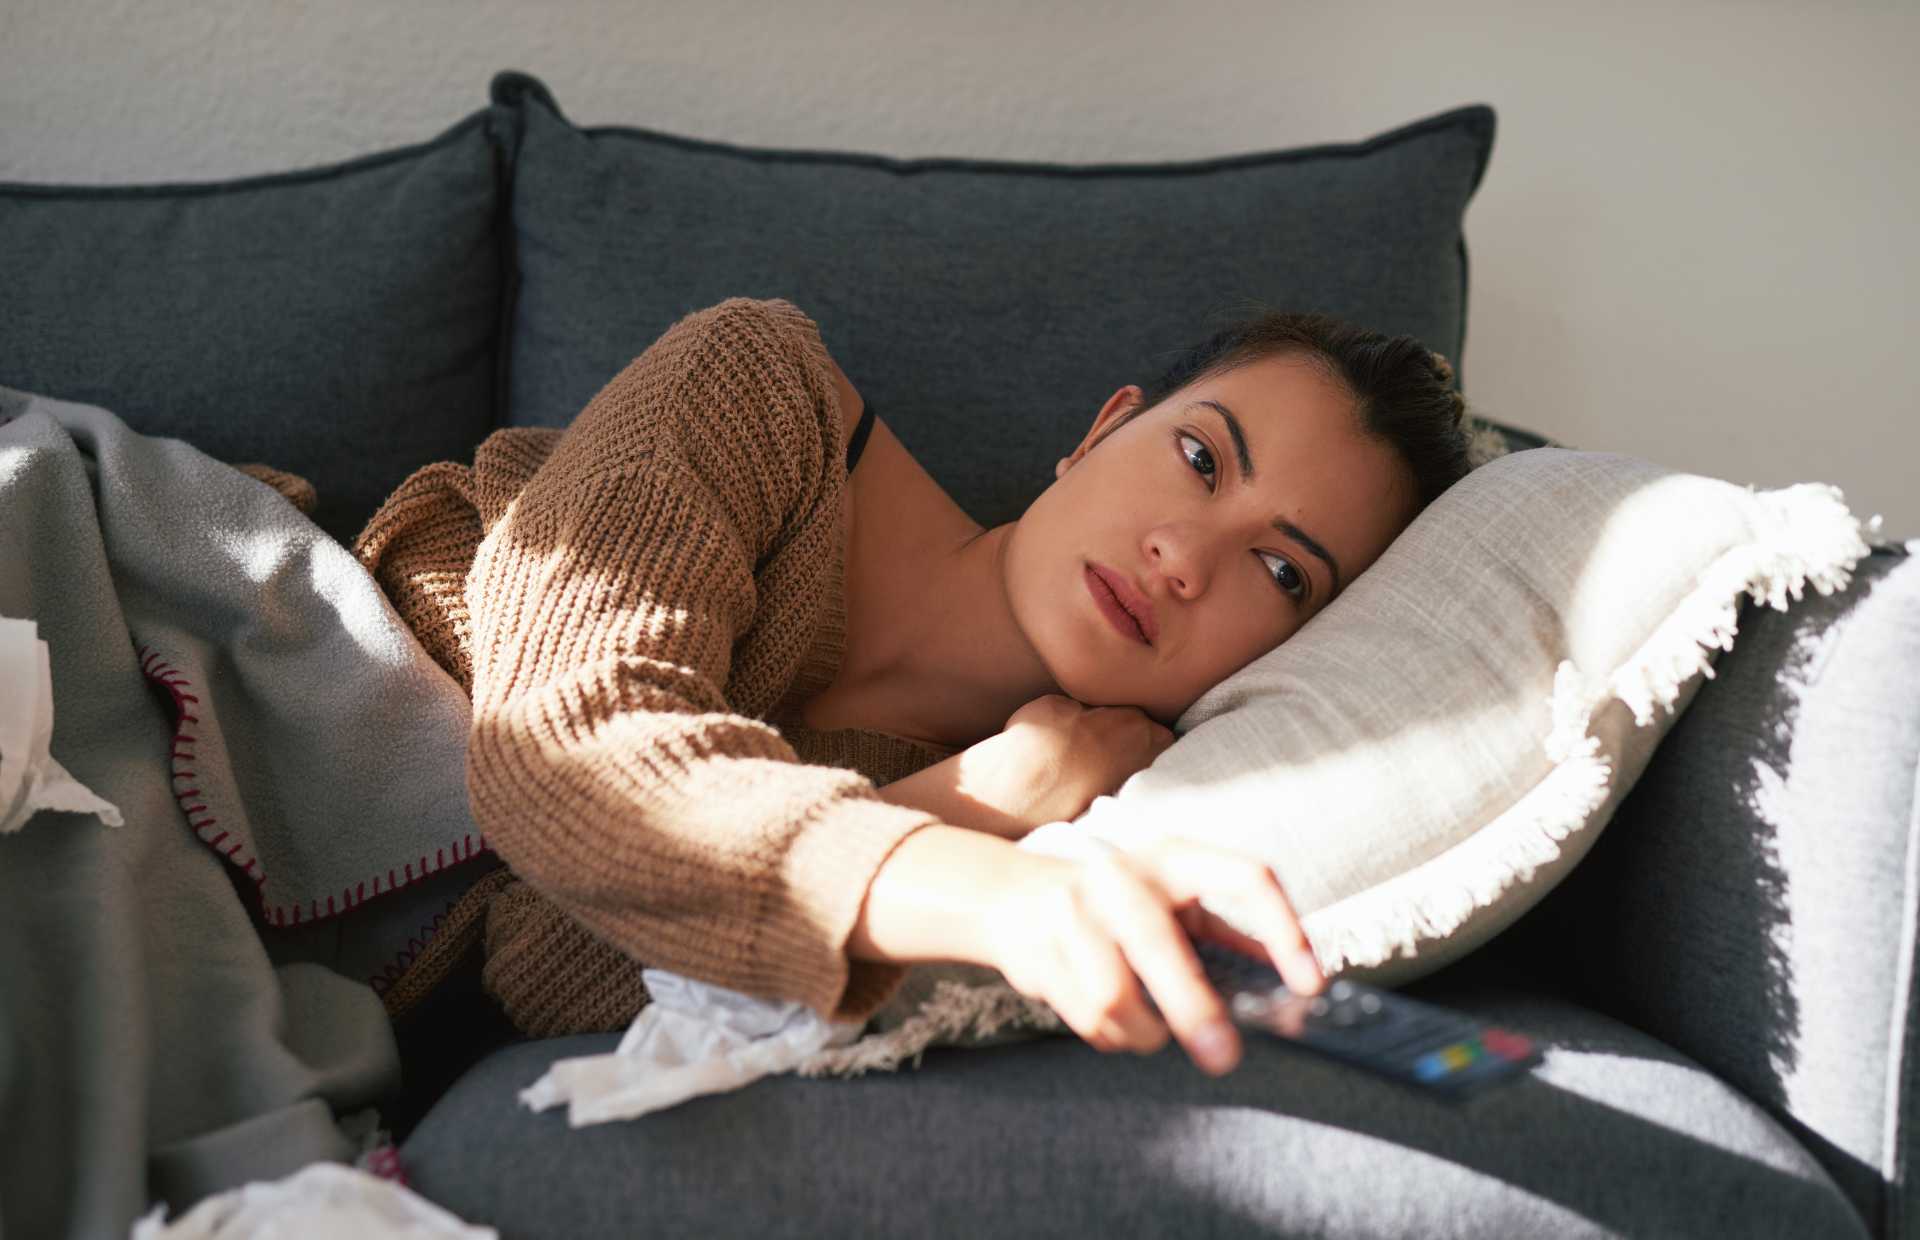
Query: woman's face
x,y
1165,503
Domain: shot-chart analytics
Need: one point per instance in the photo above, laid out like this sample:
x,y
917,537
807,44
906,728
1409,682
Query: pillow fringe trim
x,y
1392,918
1808,535
953,1011
1805,534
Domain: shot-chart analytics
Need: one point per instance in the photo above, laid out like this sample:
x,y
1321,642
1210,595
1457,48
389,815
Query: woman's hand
x,y
1057,755
1054,757
1082,936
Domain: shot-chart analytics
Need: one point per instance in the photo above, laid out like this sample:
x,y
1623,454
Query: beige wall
x,y
1696,243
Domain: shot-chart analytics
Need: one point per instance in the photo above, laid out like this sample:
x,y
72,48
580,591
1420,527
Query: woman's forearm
x,y
965,790
933,898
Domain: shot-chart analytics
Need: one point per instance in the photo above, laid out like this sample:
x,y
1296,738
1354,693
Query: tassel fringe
x,y
952,1012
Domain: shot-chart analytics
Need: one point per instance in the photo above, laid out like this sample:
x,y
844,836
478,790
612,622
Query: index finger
x,y
1246,894
1176,985
1173,981
1286,941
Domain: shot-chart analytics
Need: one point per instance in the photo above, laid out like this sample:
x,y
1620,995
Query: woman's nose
x,y
1182,570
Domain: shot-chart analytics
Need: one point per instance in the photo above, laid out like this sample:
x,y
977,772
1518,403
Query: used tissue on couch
x,y
30,779
691,1039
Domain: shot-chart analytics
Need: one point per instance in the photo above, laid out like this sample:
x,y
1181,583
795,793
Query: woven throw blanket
x,y
283,754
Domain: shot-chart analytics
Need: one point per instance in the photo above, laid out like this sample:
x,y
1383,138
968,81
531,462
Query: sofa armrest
x,y
1753,901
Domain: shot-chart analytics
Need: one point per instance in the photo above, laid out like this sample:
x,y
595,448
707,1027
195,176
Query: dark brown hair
x,y
1402,391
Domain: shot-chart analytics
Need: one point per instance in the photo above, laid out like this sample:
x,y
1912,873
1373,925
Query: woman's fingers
x,y
1116,1006
1109,944
1208,926
1071,998
1138,913
1249,890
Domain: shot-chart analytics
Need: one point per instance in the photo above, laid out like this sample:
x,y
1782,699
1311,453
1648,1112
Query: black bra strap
x,y
859,440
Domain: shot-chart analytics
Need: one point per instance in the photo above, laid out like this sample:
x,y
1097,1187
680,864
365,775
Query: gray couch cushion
x,y
989,307
1614,1134
1753,901
337,321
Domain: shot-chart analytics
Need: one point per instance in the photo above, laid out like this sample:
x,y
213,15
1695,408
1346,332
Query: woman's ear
x,y
1121,405
1120,408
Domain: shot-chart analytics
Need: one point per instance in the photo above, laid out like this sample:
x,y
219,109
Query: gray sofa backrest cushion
x,y
337,321
1753,901
987,308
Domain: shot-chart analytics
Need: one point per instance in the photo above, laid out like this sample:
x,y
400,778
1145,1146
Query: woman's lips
x,y
1110,607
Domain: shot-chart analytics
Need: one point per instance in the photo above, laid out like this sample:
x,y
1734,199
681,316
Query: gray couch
x,y
1724,988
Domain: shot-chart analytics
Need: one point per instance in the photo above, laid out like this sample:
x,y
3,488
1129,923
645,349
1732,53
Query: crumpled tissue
x,y
30,779
321,1201
691,1038
694,1038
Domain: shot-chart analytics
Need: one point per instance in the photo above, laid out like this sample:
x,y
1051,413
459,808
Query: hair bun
x,y
1442,368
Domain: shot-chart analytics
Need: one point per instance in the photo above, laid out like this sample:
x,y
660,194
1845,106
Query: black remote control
x,y
1431,1048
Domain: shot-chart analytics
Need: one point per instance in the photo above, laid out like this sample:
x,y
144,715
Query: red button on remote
x,y
1505,1044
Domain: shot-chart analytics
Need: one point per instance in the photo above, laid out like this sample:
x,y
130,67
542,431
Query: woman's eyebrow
x,y
1285,526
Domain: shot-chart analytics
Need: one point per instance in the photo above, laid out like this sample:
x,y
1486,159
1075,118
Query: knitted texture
x,y
413,546
459,930
551,976
298,490
639,605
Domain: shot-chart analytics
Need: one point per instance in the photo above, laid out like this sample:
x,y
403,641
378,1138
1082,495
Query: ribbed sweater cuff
x,y
826,873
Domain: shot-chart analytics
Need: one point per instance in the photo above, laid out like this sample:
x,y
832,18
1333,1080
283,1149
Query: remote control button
x,y
1370,1004
1340,990
1505,1044
1402,1041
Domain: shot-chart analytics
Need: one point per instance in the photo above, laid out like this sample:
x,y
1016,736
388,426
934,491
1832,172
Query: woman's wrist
x,y
933,899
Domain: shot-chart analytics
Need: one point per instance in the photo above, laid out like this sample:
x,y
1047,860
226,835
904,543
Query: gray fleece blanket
x,y
190,999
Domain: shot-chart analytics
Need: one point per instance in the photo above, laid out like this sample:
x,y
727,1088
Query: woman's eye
x,y
1211,468
1290,578
1287,577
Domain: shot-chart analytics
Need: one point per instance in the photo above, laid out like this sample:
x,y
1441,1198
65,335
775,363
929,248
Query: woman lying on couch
x,y
744,716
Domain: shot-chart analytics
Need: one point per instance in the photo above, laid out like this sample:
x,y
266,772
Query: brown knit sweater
x,y
639,604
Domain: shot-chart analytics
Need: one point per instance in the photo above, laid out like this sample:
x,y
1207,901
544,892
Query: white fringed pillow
x,y
1427,757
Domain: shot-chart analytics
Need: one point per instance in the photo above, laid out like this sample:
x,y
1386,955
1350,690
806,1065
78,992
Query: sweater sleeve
x,y
298,491
609,599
